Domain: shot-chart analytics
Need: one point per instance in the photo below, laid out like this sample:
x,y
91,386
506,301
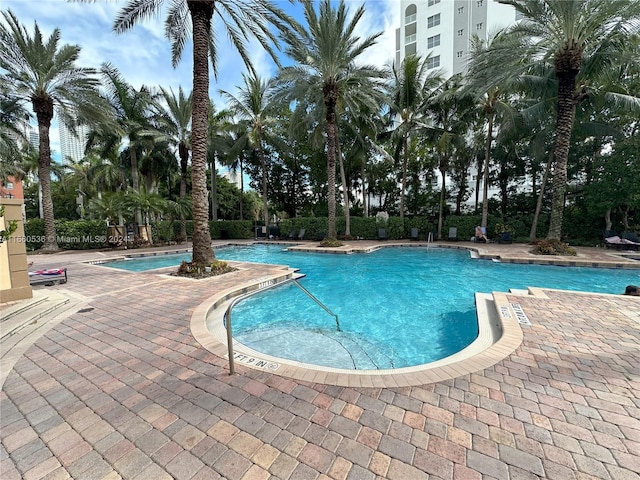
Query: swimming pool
x,y
397,307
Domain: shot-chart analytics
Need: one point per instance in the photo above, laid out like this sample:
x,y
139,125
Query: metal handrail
x,y
429,239
227,317
322,305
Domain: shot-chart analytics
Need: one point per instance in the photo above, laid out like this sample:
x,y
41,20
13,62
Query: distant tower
x,y
72,146
33,136
444,29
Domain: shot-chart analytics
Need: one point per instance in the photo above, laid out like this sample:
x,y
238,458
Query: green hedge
x,y
231,229
71,234
88,234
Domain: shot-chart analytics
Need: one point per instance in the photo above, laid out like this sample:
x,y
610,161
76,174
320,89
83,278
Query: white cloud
x,y
380,16
143,55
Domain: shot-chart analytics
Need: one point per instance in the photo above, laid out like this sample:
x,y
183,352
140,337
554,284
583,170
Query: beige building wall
x,y
14,275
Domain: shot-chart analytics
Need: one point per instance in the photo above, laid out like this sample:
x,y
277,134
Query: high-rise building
x,y
73,145
444,28
34,137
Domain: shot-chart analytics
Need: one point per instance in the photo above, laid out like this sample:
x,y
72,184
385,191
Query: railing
x,y
429,239
227,317
322,305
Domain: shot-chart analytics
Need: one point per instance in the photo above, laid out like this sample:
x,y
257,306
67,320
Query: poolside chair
x,y
415,234
382,234
301,234
292,235
631,236
453,234
621,243
48,276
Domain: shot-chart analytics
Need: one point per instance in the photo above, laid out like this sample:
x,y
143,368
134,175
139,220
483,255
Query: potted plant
x,y
504,233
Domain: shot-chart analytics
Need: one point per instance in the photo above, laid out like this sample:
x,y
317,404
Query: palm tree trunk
x,y
44,113
214,189
442,199
480,167
265,205
201,14
135,179
405,160
343,178
564,126
363,174
534,226
330,100
485,175
241,187
183,153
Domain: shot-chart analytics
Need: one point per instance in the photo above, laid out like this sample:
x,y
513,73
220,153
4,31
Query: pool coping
x,y
499,335
479,355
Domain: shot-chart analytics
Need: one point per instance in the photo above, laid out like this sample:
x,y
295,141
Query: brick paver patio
x,y
121,389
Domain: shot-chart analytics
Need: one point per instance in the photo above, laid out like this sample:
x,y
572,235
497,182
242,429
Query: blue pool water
x,y
397,307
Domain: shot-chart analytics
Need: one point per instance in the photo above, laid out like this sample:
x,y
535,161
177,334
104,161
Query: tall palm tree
x,y
132,109
13,119
220,142
578,37
412,87
452,112
493,104
175,121
44,73
255,108
242,20
325,52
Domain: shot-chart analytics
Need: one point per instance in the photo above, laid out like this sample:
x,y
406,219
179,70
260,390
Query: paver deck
x,y
121,389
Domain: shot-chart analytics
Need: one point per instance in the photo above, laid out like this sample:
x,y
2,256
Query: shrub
x,y
230,229
552,247
330,243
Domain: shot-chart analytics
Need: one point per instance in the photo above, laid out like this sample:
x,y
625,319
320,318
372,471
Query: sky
x,y
143,55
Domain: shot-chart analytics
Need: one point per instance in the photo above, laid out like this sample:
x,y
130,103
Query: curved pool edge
x,y
499,335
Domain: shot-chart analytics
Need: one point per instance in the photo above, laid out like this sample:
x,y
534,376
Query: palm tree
x,y
175,121
410,90
578,37
325,52
13,119
242,20
493,105
43,72
452,112
132,109
220,142
254,107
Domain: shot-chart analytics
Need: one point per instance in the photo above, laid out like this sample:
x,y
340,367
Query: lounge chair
x,y
453,234
632,236
415,234
292,235
48,276
301,234
621,243
382,234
